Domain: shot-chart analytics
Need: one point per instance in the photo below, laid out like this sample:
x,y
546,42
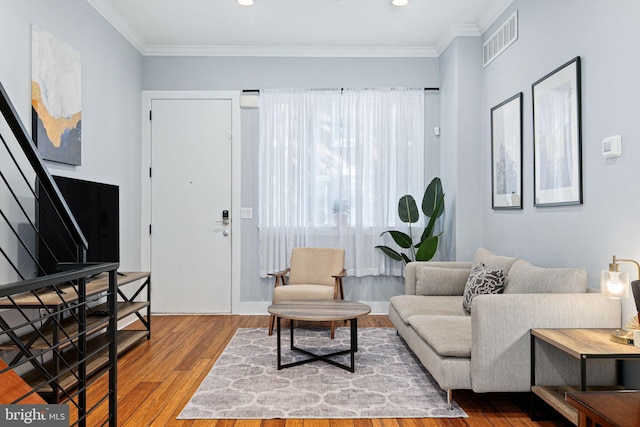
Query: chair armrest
x,y
280,273
500,337
280,277
340,275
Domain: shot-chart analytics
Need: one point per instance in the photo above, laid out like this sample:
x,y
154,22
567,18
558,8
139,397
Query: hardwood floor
x,y
158,377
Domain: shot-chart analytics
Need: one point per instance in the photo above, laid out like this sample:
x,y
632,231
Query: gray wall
x,y
550,34
460,66
203,73
111,101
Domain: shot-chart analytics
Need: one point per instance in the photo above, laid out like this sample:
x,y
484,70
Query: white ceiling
x,y
297,27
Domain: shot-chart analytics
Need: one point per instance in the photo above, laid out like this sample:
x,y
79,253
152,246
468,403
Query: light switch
x,y
612,147
246,213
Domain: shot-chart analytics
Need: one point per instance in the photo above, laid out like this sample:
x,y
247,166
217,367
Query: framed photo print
x,y
557,139
506,154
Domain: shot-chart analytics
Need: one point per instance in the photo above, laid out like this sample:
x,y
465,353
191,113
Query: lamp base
x,y
622,337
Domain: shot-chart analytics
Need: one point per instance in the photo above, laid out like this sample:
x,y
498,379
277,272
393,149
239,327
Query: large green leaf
x,y
432,195
428,232
407,209
402,239
427,249
391,253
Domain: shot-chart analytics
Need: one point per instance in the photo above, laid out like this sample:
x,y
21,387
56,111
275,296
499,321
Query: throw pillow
x,y
482,281
440,281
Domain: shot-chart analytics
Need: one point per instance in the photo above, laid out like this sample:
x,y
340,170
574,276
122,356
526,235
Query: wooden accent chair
x,y
314,273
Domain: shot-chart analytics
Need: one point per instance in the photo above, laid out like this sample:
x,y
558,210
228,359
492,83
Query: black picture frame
x,y
557,137
506,154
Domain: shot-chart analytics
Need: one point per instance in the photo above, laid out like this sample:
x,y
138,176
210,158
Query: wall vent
x,y
500,40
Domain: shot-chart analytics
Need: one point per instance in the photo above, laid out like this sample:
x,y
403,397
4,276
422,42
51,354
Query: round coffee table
x,y
320,311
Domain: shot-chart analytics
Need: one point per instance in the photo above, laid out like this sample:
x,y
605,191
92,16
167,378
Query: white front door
x,y
190,195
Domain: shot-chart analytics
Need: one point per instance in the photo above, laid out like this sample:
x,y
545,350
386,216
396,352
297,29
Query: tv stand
x,y
47,337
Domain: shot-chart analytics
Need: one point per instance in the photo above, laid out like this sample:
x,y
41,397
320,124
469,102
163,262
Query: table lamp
x,y
615,284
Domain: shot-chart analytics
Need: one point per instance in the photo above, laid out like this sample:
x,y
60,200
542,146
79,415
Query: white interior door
x,y
190,190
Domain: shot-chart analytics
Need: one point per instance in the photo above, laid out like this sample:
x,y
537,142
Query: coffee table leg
x,y
354,343
278,345
291,330
354,325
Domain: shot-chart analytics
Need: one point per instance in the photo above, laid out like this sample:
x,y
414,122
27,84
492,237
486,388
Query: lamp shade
x,y
614,284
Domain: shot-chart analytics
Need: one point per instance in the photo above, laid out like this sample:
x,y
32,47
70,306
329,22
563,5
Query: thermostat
x,y
612,147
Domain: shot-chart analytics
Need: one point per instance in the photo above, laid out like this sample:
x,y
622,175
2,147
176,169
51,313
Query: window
x,y
333,164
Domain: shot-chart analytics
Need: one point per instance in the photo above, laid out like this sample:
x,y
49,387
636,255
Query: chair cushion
x,y
482,281
440,281
525,278
449,336
301,292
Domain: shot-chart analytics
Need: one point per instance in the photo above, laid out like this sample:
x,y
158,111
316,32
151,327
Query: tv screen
x,y
95,207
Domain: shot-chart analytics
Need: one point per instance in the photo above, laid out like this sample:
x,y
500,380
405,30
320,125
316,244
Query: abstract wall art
x,y
56,98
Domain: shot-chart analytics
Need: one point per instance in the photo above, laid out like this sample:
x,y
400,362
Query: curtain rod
x,y
426,89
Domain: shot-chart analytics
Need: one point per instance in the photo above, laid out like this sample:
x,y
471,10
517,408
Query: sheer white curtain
x,y
333,164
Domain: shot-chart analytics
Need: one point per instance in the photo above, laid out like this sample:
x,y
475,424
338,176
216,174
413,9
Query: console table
x,y
606,408
584,345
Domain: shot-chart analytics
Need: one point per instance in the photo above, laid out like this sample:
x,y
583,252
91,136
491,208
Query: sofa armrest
x,y
500,350
411,276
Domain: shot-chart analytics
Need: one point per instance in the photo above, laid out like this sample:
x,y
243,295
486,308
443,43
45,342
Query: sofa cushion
x,y
525,278
440,281
491,260
482,281
412,305
449,336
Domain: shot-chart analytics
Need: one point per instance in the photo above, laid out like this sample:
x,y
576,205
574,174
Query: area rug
x,y
388,381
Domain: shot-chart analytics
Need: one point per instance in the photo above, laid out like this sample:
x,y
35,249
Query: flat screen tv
x,y
95,207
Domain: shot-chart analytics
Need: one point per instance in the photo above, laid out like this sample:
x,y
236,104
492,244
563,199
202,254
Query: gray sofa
x,y
489,349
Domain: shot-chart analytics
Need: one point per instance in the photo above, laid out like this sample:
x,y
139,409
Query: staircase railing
x,y
44,323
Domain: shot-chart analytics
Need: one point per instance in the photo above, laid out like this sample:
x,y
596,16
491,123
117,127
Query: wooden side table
x,y
584,345
606,408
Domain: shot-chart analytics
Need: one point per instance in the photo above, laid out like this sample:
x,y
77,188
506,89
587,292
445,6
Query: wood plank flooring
x,y
157,378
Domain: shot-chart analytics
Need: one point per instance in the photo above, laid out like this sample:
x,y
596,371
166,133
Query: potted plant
x,y
426,247
341,210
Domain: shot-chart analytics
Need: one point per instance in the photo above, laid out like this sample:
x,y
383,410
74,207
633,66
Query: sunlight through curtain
x,y
333,164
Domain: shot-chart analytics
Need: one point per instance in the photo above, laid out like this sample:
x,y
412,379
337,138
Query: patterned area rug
x,y
388,381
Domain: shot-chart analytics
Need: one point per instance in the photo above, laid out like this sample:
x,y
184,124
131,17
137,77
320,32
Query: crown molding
x,y
465,30
292,51
486,21
116,20
493,15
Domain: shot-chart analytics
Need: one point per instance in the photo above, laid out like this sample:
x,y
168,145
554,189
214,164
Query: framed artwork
x,y
557,137
56,98
506,154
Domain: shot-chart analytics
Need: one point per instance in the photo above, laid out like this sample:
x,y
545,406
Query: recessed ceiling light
x,y
399,2
245,2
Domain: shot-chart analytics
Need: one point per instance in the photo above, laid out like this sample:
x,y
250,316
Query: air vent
x,y
501,39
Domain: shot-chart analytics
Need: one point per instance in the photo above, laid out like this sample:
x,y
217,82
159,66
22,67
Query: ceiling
x,y
297,27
